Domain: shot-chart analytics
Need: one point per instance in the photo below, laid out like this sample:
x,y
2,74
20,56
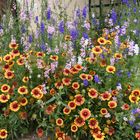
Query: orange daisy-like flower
x,y
59,122
110,69
93,93
60,135
99,136
67,37
14,106
85,113
6,67
101,41
75,85
23,90
40,132
105,96
103,111
50,109
37,93
93,123
112,104
79,100
7,58
72,105
74,128
95,130
54,57
15,53
133,99
4,98
23,101
78,67
5,88
125,107
40,54
20,61
79,121
118,55
9,74
52,91
66,110
66,81
108,42
74,71
23,115
66,72
103,63
137,135
135,92
89,77
59,85
25,79
11,63
114,92
83,76
13,45
91,60
97,50
3,133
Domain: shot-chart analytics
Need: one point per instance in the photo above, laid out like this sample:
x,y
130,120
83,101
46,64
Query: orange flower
x,y
66,110
136,92
66,81
78,67
99,136
118,55
15,53
25,79
40,54
9,74
89,77
83,76
93,123
50,109
59,85
60,135
14,106
93,93
59,122
103,111
103,63
101,41
13,45
3,134
52,91
125,107
4,98
74,128
137,135
23,115
23,101
133,99
54,57
105,96
20,61
72,105
110,69
97,50
7,58
91,60
114,92
40,132
5,88
95,130
74,71
23,90
75,85
6,67
79,121
37,93
85,113
67,37
66,72
112,104
79,100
